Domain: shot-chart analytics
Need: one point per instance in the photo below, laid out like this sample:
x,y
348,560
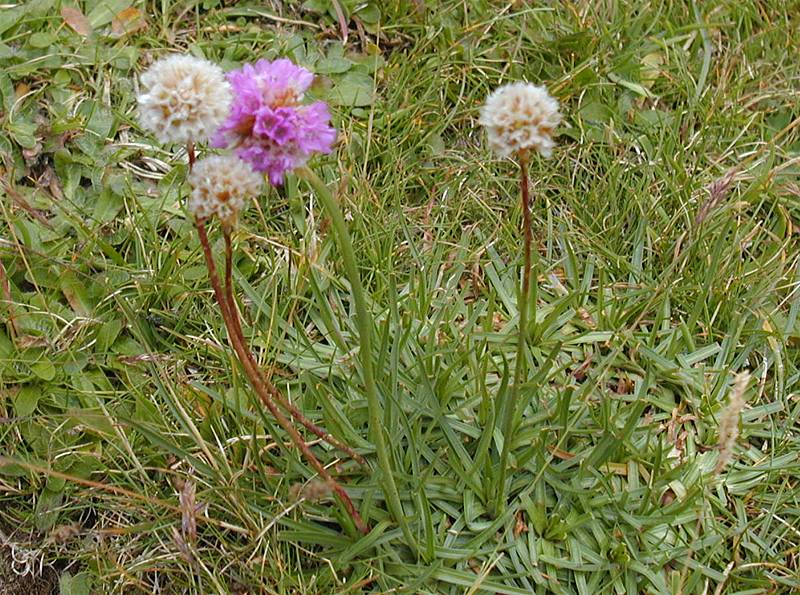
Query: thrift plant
x,y
592,388
519,119
185,99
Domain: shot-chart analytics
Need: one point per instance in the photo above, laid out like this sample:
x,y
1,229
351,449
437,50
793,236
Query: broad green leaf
x,y
26,400
107,206
41,40
105,11
369,14
332,65
80,584
24,133
354,89
100,118
107,334
44,369
75,292
47,509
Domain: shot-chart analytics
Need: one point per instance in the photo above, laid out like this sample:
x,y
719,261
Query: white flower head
x,y
221,186
520,116
183,99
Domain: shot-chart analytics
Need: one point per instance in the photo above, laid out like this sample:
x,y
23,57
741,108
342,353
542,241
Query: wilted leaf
x,y
651,68
128,21
76,21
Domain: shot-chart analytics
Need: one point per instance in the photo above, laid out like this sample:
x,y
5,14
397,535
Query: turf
x,y
666,232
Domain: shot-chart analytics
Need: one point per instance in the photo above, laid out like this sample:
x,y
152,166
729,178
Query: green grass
x,y
120,386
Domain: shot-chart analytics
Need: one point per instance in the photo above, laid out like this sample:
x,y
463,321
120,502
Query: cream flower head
x,y
183,99
520,116
220,186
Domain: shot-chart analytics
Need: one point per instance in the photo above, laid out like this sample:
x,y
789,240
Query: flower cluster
x,y
520,116
257,111
268,125
220,186
184,99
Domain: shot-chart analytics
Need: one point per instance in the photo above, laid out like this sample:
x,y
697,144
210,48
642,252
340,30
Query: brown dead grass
x,y
12,583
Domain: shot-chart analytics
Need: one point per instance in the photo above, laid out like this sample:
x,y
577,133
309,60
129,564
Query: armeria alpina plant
x,y
177,90
519,119
271,128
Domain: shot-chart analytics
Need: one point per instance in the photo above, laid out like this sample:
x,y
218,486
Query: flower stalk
x,y
268,387
509,409
245,358
258,111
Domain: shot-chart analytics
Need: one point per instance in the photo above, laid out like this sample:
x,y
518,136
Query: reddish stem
x,y
526,223
508,408
190,153
262,378
252,374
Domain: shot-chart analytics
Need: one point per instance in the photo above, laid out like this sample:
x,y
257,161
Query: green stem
x,y
364,322
510,409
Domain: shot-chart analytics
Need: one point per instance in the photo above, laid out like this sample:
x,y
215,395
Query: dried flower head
x,y
268,125
183,99
729,422
520,116
313,491
220,186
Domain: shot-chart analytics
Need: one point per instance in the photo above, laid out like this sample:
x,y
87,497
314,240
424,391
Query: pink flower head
x,y
267,125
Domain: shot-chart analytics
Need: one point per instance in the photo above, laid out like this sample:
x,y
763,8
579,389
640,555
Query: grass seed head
x,y
183,99
729,422
520,116
717,192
